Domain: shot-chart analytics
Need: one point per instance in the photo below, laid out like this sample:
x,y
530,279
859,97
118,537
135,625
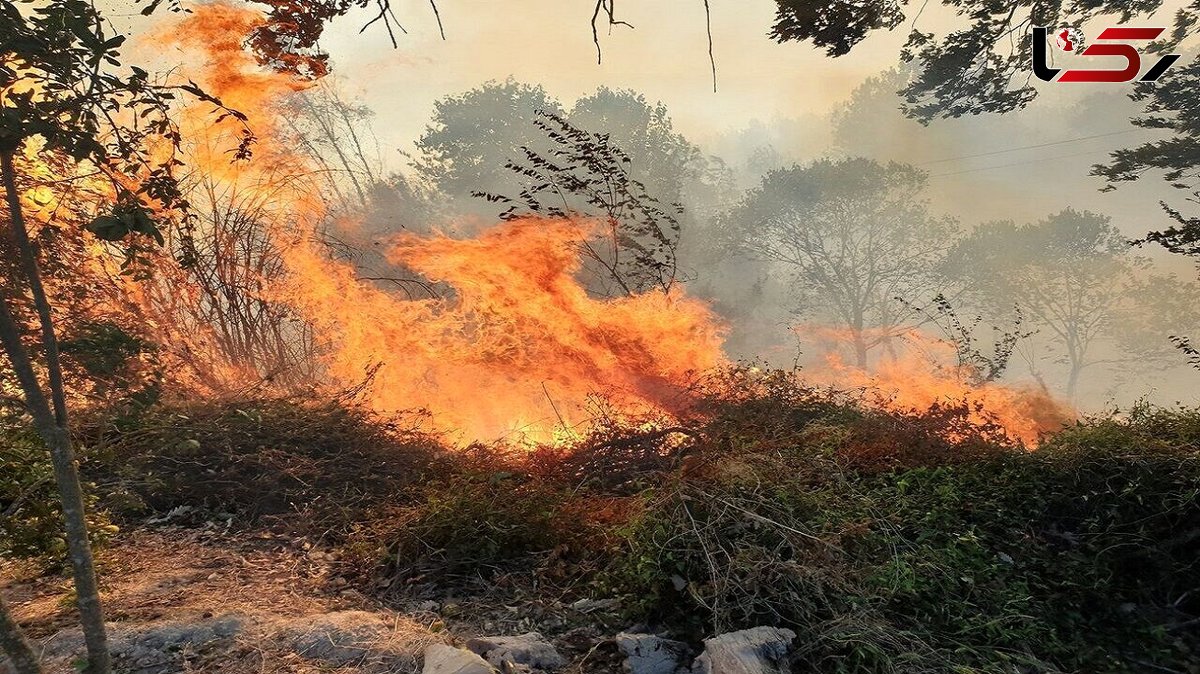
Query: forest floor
x,y
185,599
202,601
262,536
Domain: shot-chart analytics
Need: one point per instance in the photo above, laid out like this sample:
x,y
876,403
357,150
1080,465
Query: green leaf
x,y
109,227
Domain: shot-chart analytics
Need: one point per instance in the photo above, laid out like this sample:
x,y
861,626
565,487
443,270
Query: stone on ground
x,y
443,659
760,650
650,653
528,650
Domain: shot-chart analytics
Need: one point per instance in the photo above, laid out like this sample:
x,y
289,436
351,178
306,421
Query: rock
x,y
761,650
529,650
650,654
361,639
589,605
151,643
443,659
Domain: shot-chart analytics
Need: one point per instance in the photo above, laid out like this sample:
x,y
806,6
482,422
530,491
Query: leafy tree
x,y
853,235
662,158
1170,105
1075,279
475,134
62,85
982,65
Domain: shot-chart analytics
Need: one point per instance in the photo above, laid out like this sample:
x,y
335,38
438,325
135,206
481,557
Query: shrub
x,y
472,526
30,516
1081,556
314,466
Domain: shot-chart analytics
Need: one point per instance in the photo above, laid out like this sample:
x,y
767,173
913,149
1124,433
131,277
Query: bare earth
x,y
182,599
186,600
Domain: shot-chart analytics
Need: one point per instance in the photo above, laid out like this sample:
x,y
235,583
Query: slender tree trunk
x,y
1075,357
860,346
51,424
15,646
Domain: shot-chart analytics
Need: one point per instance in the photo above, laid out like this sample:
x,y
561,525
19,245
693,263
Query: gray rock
x,y
151,644
650,654
589,605
530,650
760,650
443,659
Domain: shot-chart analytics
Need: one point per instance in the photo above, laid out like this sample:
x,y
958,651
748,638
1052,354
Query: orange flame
x,y
920,372
516,343
519,347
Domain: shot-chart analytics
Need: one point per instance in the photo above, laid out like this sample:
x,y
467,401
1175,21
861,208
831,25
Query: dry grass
x,y
200,600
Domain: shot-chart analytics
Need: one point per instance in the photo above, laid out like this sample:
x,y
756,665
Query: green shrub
x,y
471,526
312,466
1082,556
30,516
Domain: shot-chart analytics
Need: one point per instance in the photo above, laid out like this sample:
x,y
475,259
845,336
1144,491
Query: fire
x,y
512,343
920,372
518,345
515,345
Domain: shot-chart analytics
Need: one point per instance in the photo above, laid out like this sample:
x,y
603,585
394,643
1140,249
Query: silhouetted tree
x,y
853,235
586,175
1075,278
473,135
981,65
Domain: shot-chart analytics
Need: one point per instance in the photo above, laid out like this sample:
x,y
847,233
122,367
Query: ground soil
x,y
188,599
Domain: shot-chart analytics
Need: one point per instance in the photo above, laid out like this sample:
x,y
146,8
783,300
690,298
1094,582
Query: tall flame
x,y
514,343
520,346
517,344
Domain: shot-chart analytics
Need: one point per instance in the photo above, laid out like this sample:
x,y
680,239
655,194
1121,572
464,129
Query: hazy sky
x,y
550,42
759,82
784,90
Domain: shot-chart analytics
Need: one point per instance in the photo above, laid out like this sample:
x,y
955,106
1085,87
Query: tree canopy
x,y
854,235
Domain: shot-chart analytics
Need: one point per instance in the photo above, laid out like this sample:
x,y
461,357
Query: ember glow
x,y
512,343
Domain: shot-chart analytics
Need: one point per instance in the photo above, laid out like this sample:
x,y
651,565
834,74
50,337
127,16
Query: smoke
x,y
503,336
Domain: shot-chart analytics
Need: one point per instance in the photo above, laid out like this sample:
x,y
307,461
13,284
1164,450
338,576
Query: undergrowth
x,y
886,546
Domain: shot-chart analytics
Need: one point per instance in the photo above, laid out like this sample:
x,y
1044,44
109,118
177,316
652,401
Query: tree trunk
x,y
860,348
52,426
15,646
1075,356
